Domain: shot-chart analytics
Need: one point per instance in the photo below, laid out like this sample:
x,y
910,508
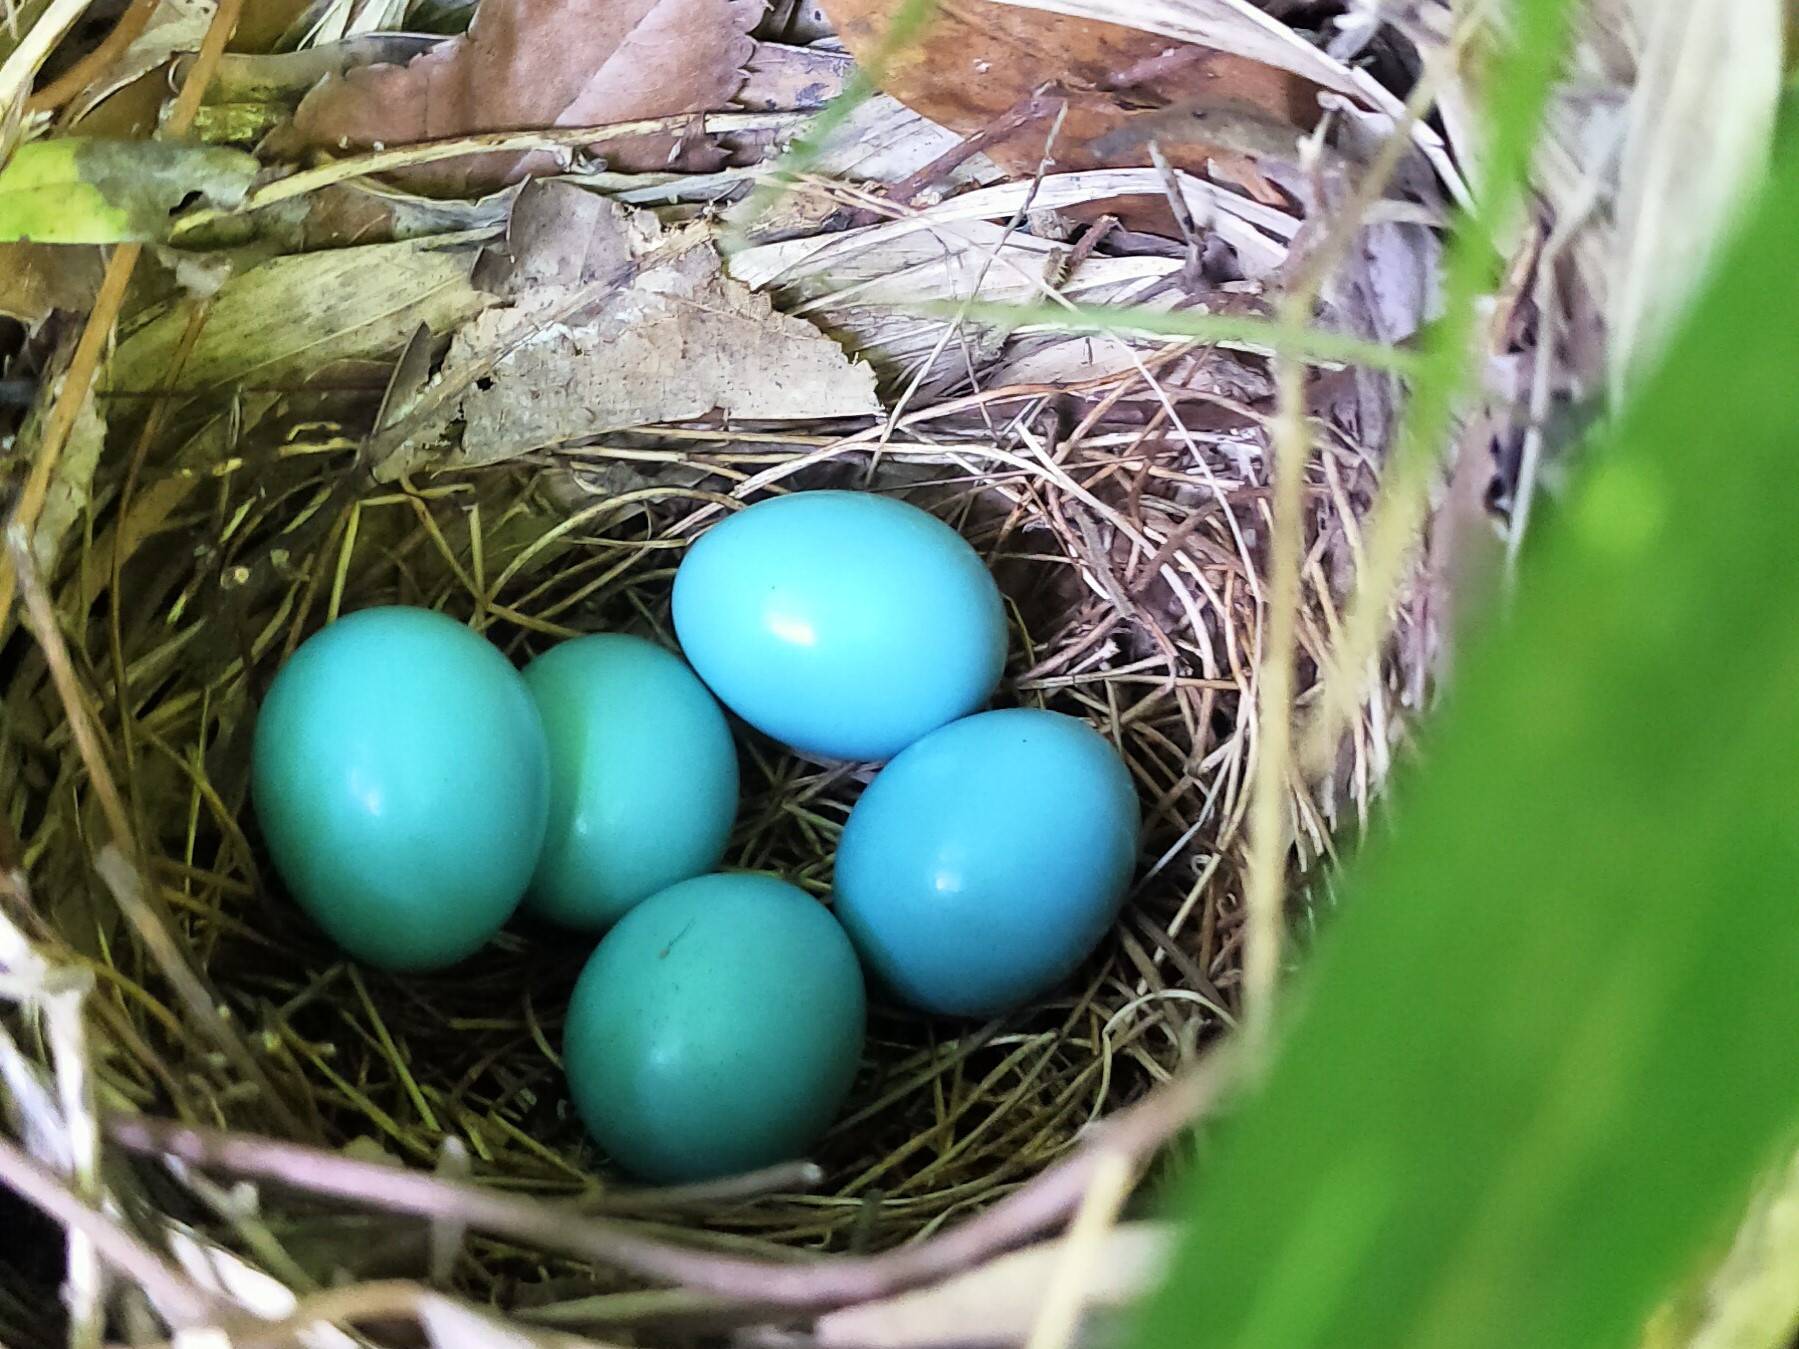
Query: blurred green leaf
x,y
73,190
1551,1038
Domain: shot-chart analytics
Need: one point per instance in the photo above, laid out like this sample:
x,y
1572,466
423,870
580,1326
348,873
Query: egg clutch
x,y
415,791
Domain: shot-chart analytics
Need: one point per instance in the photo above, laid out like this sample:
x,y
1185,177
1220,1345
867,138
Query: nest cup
x,y
1129,560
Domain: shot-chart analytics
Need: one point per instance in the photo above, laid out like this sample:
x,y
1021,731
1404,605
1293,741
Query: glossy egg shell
x,y
716,1029
401,782
844,624
643,777
986,862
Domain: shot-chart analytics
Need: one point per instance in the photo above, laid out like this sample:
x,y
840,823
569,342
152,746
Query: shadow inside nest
x,y
1126,557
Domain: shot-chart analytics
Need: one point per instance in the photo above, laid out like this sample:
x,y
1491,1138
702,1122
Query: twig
x,y
1032,108
385,1300
118,1247
1058,1320
199,75
779,1179
78,380
547,138
1174,61
65,681
1135,1132
447,1235
65,1025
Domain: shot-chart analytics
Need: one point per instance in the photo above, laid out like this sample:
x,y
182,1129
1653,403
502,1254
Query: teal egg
x,y
715,1030
844,624
983,864
643,778
401,782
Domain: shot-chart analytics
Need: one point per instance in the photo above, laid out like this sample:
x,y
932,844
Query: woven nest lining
x,y
1125,553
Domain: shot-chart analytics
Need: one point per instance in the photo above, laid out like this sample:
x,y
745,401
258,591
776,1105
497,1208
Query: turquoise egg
x,y
401,781
843,624
643,778
986,862
716,1029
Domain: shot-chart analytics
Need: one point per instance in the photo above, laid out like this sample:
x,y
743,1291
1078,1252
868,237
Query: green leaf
x,y
1550,1040
72,190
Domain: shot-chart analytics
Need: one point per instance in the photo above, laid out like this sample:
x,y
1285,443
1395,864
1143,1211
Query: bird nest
x,y
1129,555
417,1127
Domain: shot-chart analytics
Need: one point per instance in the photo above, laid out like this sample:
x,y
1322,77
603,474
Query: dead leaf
x,y
779,78
537,63
1238,26
336,20
666,337
868,284
295,314
36,279
866,288
977,60
997,1303
882,140
1251,35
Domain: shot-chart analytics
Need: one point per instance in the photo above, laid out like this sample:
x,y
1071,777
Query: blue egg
x,y
401,781
643,778
843,624
716,1029
986,862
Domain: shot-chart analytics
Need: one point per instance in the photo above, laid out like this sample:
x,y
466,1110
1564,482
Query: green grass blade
x,y
1554,1032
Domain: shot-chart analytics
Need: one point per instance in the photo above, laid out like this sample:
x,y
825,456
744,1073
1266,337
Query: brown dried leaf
x,y
541,63
779,78
36,279
977,60
664,337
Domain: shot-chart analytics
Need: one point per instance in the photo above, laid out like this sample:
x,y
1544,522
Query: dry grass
x,y
1128,555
